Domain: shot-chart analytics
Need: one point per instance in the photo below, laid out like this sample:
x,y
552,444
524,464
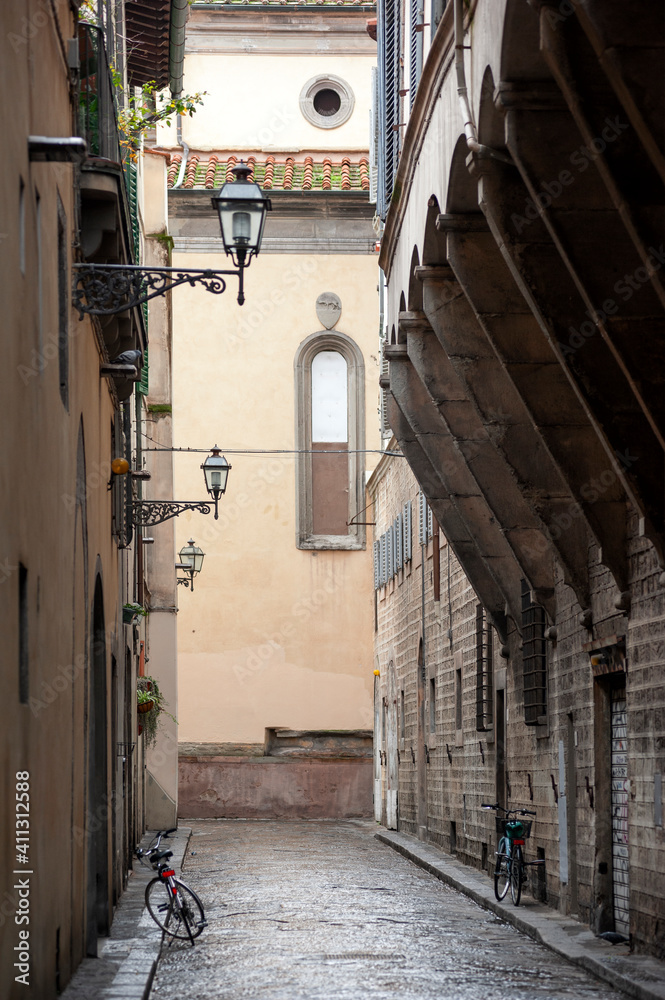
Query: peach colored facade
x,y
277,632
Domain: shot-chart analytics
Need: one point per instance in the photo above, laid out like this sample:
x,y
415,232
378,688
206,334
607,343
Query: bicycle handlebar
x,y
508,812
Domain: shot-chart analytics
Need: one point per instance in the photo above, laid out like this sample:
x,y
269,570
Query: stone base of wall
x,y
274,788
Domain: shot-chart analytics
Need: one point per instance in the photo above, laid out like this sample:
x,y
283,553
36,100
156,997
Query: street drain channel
x,y
364,955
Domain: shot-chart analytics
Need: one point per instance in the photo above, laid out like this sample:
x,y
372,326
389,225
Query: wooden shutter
x,y
377,565
422,518
374,136
399,542
407,531
388,38
142,384
415,47
385,426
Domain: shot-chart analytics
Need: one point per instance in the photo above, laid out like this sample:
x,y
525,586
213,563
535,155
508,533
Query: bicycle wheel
x,y
178,916
516,871
502,870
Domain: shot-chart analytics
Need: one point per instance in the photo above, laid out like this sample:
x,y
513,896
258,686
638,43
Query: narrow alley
x,y
323,911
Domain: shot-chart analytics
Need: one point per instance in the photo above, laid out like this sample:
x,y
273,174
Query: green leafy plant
x,y
135,609
147,107
147,691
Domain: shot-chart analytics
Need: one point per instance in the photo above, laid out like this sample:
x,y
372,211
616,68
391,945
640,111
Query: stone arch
x,y
415,303
434,242
521,58
462,195
401,337
491,131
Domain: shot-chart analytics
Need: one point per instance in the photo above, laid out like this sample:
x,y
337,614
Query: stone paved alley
x,y
323,911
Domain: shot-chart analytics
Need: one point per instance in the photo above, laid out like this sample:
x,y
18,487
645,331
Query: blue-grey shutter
x,y
422,518
377,565
389,559
415,47
374,136
408,528
384,578
399,542
388,39
430,523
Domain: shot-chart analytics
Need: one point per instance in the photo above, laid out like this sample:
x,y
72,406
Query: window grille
x,y
534,658
484,671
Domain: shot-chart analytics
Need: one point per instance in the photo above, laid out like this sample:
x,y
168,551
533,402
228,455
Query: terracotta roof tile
x,y
276,173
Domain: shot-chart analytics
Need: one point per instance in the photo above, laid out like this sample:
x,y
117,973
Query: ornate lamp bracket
x,y
148,512
107,289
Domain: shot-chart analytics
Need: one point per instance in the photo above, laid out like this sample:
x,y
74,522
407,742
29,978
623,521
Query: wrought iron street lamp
x,y
242,209
107,289
191,560
216,471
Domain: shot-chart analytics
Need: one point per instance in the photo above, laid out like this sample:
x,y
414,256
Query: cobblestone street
x,y
323,911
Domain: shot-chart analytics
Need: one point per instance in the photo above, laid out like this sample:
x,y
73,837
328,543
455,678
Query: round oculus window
x,y
326,101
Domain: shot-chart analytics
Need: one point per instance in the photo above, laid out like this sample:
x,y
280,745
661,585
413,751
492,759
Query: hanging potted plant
x,y
150,705
145,702
132,612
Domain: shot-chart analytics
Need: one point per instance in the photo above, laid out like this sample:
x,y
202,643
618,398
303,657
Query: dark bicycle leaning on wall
x,y
510,869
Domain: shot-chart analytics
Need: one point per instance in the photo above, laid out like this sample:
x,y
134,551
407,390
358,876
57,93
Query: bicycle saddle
x,y
161,856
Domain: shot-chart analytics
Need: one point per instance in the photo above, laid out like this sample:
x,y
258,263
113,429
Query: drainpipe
x,y
185,154
463,94
179,14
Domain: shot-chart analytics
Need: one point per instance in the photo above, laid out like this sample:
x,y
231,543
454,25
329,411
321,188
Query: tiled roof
x,y
283,173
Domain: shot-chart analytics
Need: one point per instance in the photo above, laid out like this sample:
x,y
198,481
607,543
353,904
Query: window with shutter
x,y
142,384
388,38
415,47
422,519
377,565
407,531
399,542
385,426
374,137
384,577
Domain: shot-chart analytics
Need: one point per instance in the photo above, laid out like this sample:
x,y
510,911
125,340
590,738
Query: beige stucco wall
x,y
270,118
272,635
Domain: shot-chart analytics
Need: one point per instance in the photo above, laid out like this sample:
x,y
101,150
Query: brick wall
x,y
462,769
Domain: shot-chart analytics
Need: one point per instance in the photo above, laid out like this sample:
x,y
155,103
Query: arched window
x,y
330,433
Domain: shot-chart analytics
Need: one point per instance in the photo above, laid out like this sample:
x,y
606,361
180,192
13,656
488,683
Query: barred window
x,y
484,671
534,658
